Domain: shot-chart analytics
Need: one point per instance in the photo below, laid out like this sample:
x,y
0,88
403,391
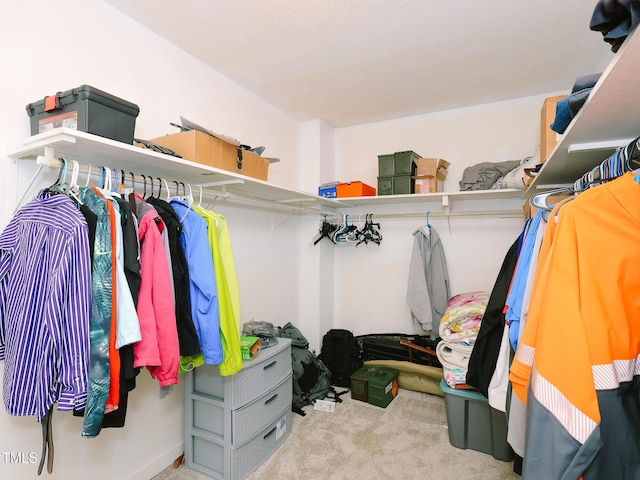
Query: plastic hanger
x,y
159,187
59,186
189,204
73,188
539,200
189,198
200,197
151,186
116,184
88,177
326,231
144,186
368,232
75,168
166,186
107,179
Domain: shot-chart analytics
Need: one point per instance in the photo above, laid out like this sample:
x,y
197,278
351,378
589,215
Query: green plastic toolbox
x,y
375,385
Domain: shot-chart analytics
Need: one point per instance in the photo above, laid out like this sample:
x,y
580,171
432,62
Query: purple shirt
x,y
45,282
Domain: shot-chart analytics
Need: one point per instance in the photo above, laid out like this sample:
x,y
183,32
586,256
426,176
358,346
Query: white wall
x,y
47,47
370,280
283,276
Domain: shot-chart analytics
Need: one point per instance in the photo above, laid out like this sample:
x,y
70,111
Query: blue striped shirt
x,y
44,307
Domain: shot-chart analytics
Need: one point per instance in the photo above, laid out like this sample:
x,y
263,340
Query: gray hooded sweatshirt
x,y
428,291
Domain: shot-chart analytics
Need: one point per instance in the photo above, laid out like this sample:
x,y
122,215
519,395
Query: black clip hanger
x,y
133,182
326,231
368,232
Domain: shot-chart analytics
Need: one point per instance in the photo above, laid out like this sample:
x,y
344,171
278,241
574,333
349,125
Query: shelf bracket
x,y
445,204
446,209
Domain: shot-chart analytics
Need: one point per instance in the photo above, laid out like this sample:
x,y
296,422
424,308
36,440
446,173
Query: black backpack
x,y
311,378
341,354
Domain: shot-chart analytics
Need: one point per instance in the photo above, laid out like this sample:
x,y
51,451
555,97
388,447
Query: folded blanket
x,y
462,317
454,358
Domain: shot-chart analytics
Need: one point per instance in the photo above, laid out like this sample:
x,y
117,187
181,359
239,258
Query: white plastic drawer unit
x,y
234,423
218,461
246,421
270,367
208,415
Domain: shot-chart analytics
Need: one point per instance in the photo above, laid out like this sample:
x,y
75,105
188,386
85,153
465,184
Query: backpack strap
x,y
298,410
336,395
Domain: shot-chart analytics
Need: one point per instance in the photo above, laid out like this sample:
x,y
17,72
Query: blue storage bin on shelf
x,y
474,424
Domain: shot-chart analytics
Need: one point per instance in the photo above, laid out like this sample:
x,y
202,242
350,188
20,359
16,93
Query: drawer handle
x,y
269,433
270,365
271,399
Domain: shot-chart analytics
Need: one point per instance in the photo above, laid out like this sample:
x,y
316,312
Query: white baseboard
x,y
155,466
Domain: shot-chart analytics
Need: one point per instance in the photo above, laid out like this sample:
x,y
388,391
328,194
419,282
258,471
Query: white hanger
x,y
539,200
167,187
88,177
74,177
188,198
200,198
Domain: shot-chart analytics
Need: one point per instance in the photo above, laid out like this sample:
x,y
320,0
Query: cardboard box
x,y
207,150
354,189
429,167
548,138
430,175
250,346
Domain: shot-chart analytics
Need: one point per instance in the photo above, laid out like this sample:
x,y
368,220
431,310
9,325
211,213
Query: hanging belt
x,y
47,442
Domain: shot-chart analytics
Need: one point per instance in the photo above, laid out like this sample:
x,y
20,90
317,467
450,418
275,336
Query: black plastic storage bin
x,y
86,109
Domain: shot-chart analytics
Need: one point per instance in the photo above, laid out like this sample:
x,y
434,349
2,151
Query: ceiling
x,y
351,62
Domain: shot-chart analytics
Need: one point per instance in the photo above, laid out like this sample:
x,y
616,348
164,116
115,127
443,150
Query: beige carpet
x,y
407,440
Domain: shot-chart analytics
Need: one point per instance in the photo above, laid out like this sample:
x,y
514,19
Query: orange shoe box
x,y
354,189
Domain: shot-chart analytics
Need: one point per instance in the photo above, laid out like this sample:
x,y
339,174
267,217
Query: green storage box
x,y
386,166
402,184
385,185
474,424
403,163
375,385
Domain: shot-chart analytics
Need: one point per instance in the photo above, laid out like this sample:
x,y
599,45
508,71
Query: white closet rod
x,y
468,213
49,160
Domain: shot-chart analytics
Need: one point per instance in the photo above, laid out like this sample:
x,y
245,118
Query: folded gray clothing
x,y
483,175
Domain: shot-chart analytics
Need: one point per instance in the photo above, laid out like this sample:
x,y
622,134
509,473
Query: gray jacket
x,y
428,291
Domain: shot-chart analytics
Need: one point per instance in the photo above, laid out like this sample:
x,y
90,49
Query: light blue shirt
x,y
518,285
202,278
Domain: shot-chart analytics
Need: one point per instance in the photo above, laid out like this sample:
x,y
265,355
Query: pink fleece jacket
x,y
158,350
